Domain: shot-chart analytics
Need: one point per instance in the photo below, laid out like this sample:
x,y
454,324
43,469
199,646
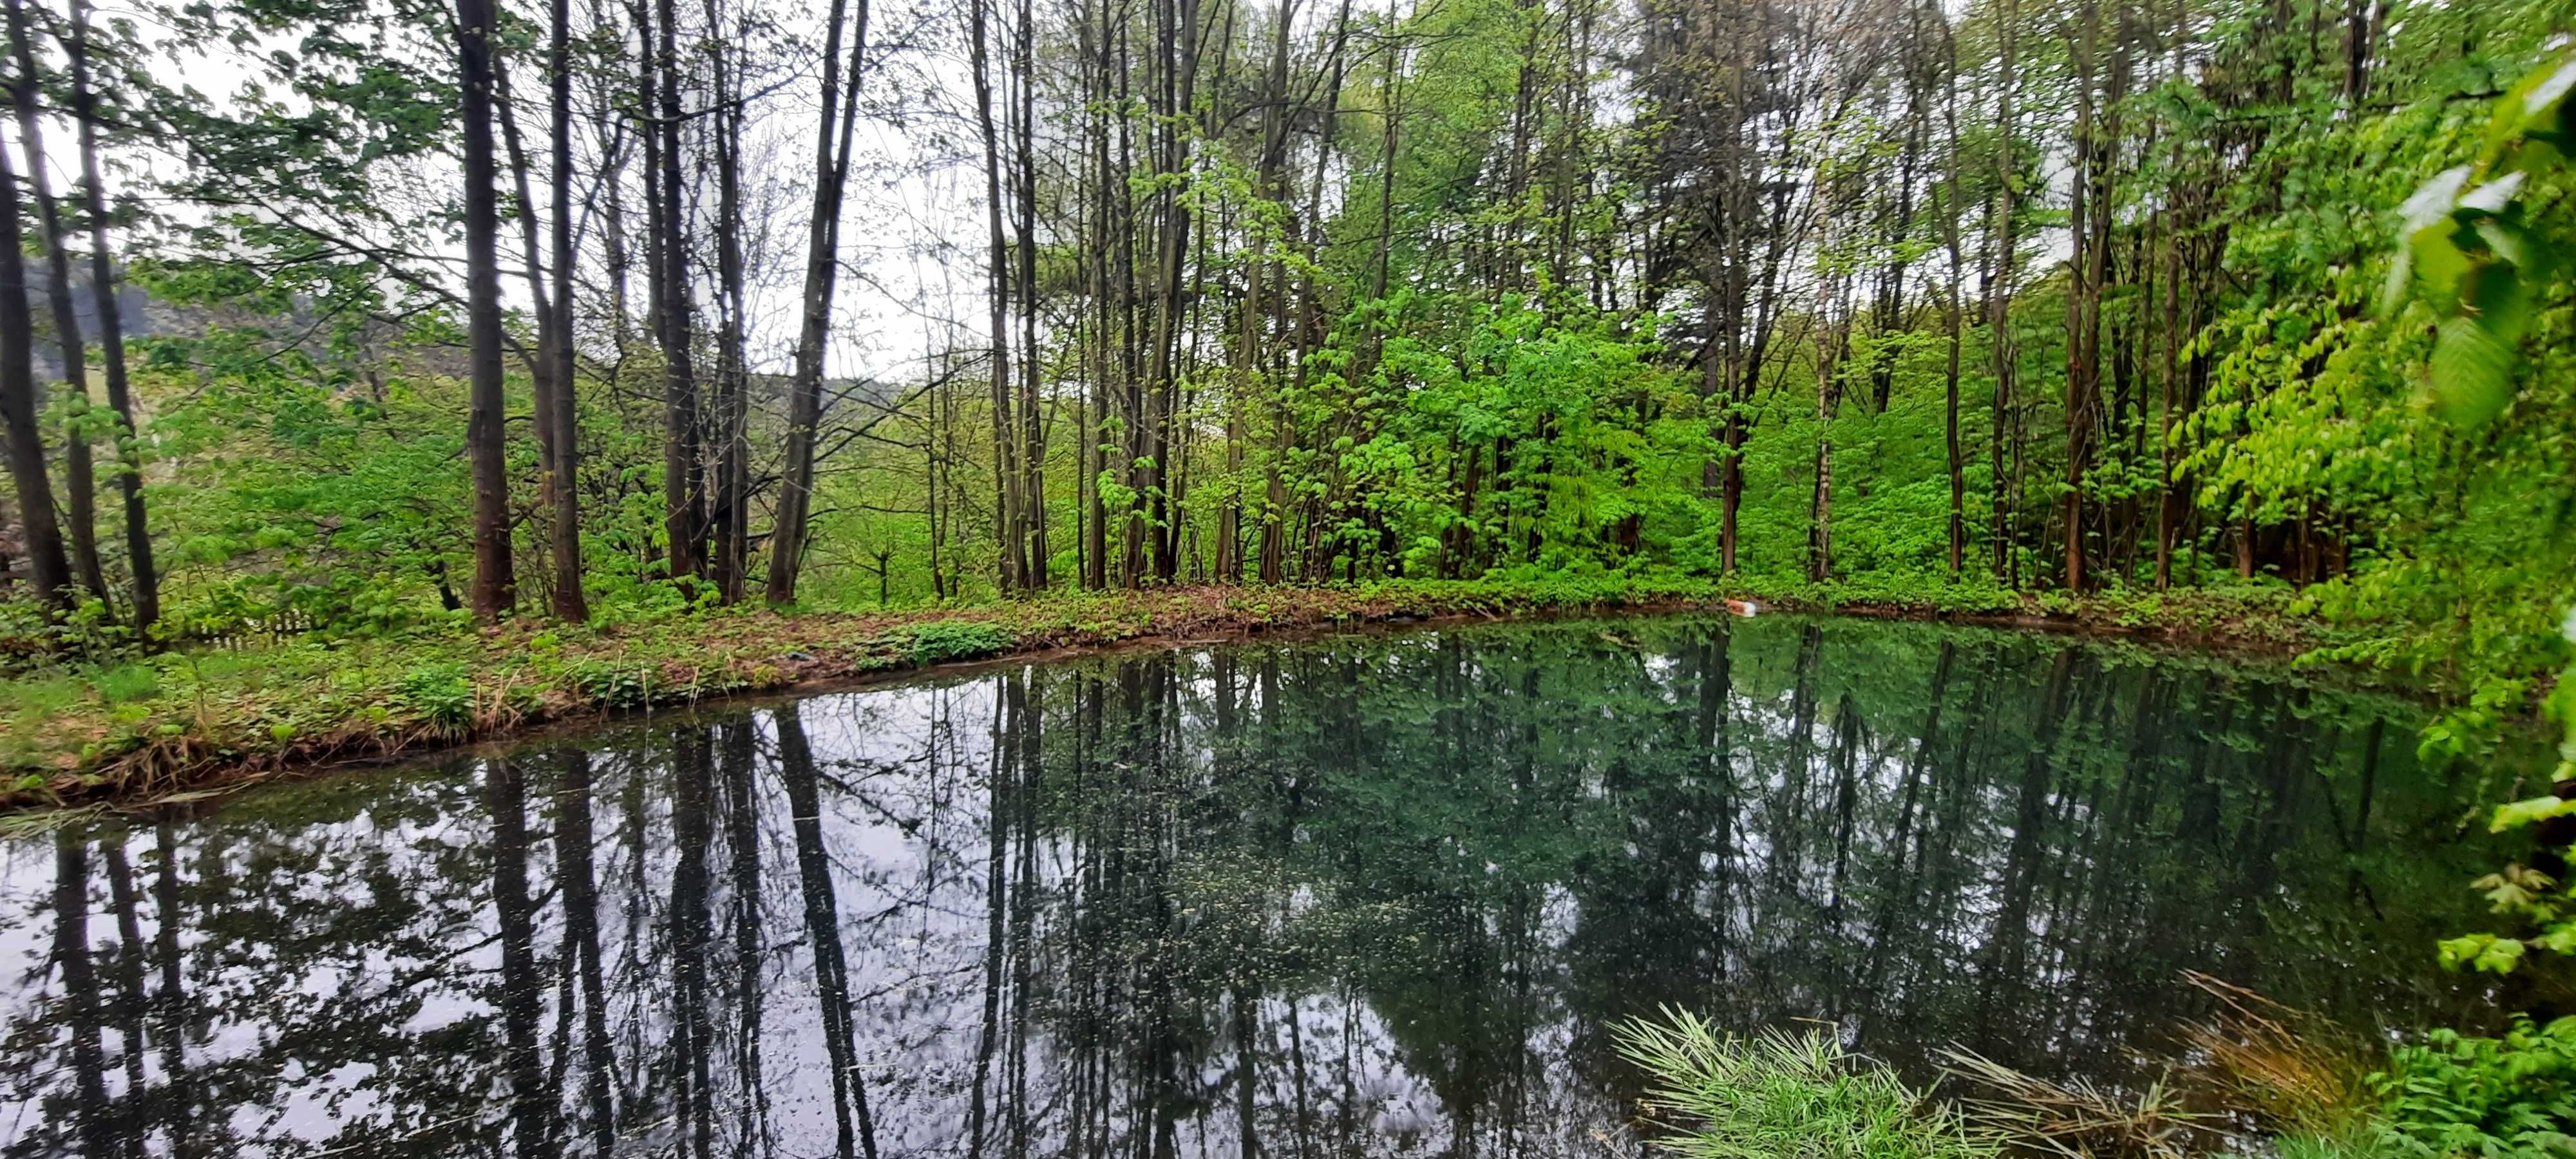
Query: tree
x,y
833,128
48,569
564,467
79,480
111,329
495,587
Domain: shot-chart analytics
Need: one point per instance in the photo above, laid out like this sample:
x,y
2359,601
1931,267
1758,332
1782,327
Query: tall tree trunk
x,y
2089,265
833,127
1092,455
565,468
1950,210
1032,436
1999,302
79,481
1008,520
683,476
1179,54
495,588
1829,360
541,363
731,507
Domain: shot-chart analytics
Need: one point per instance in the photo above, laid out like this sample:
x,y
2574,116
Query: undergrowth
x,y
2256,1081
1778,1094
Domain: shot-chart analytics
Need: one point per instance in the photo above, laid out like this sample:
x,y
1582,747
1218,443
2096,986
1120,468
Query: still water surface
x,y
1371,895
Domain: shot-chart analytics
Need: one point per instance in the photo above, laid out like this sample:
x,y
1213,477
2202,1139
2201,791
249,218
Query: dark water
x,y
1377,895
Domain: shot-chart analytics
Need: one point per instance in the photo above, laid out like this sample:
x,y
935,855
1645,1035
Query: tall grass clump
x,y
2075,1118
1784,1096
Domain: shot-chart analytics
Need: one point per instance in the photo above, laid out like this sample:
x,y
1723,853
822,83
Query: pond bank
x,y
178,725
1400,888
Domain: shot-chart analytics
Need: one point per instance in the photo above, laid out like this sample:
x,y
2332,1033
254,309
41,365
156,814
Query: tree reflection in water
x,y
1361,896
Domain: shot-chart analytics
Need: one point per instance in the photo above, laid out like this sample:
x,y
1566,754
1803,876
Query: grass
x,y
1777,1095
1803,1096
2077,1119
182,722
2254,1080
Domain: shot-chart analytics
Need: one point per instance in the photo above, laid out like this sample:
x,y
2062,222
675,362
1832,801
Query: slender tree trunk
x,y
1950,210
569,604
731,508
1178,76
79,481
683,478
2089,265
1032,435
1999,302
1008,520
495,588
1093,453
1820,512
542,364
832,133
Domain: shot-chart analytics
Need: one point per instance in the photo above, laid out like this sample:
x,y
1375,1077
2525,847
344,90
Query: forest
x,y
362,316
378,376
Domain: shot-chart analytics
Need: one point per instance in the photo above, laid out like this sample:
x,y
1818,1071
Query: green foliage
x,y
2468,246
2512,1097
2372,1142
122,683
614,685
1781,1094
443,694
941,641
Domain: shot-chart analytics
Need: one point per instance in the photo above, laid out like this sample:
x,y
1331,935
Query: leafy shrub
x,y
123,683
443,694
614,685
944,640
2495,1098
2373,1142
1780,1095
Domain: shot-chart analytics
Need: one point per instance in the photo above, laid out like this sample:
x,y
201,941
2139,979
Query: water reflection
x,y
1368,896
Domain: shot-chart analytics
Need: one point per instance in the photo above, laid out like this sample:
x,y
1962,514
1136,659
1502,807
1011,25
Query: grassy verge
x,y
149,728
2265,1082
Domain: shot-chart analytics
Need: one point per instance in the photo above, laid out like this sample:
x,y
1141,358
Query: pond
x,y
1377,894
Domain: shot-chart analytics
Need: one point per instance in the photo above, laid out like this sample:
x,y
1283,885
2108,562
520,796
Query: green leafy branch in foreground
x,y
2464,248
2520,892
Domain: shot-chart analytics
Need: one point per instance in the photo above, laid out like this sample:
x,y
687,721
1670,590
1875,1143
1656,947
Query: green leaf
x,y
2439,264
2530,812
2432,202
2486,952
2472,373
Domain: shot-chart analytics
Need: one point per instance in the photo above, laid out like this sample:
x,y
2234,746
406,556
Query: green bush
x,y
123,683
2495,1098
443,694
1781,1095
2374,1141
614,685
944,640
